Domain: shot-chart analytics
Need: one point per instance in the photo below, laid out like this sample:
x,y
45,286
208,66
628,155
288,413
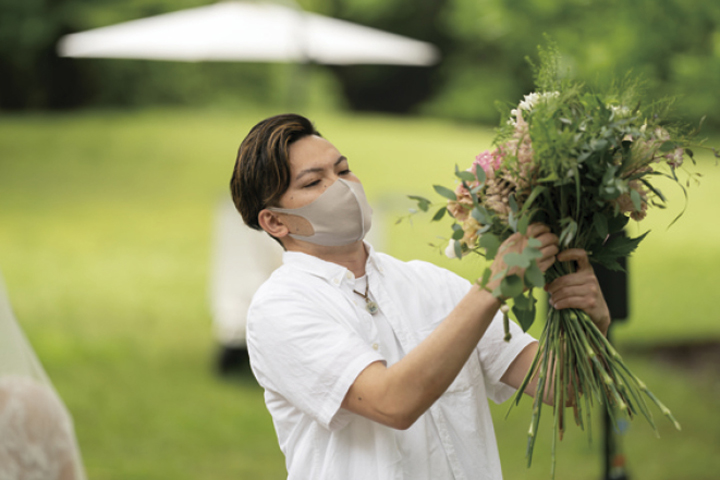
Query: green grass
x,y
105,234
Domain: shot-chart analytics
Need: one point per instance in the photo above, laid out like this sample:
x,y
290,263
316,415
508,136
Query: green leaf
x,y
485,277
534,243
523,224
636,200
512,221
533,195
457,232
480,174
423,203
534,276
480,214
490,243
445,192
439,214
513,259
568,233
617,246
667,146
617,223
524,310
513,203
465,176
511,286
601,224
458,250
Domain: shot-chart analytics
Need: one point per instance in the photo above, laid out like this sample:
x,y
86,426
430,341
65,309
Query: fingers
x,y
575,296
577,255
537,229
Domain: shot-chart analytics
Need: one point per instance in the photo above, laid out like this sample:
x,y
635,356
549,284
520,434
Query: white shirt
x,y
309,336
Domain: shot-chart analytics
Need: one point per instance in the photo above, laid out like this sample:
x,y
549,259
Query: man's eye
x,y
345,172
312,184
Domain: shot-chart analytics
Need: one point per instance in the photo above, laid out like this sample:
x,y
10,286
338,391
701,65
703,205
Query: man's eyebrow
x,y
320,169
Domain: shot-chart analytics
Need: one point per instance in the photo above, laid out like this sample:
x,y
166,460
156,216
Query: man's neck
x,y
353,256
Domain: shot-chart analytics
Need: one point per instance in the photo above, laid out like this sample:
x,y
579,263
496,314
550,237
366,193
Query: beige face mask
x,y
340,216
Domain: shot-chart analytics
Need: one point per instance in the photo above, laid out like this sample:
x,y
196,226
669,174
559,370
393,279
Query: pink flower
x,y
488,161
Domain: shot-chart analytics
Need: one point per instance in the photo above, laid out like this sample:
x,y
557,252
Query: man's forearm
x,y
398,395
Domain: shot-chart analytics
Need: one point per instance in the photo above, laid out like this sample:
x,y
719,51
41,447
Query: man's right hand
x,y
517,243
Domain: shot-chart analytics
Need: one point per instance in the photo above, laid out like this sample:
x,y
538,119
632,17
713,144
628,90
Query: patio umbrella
x,y
251,32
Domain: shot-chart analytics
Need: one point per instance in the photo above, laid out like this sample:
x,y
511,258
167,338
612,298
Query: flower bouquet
x,y
584,163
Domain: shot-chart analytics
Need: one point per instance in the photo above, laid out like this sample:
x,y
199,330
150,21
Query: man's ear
x,y
272,224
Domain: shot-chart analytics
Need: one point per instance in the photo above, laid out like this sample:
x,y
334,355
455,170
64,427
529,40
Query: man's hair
x,y
262,169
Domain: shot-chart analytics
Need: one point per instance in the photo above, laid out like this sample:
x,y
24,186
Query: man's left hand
x,y
580,290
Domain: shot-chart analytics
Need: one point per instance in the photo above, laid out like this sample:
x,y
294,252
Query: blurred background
x,y
112,170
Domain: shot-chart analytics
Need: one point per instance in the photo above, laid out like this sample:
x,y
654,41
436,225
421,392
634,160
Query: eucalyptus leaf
x,y
445,192
439,214
479,214
490,243
511,286
514,259
465,176
480,174
457,232
534,276
423,203
457,247
523,224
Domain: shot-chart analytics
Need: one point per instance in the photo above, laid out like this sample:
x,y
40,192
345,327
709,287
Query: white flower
x,y
619,110
528,103
505,308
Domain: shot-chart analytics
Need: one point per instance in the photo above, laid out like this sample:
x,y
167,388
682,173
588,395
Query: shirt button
x,y
375,346
349,276
336,281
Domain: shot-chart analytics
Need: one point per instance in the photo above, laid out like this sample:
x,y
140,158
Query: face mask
x,y
340,216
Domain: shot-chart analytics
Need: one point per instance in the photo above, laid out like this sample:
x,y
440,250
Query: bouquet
x,y
584,163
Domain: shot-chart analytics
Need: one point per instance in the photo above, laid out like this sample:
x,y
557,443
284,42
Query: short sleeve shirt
x,y
309,338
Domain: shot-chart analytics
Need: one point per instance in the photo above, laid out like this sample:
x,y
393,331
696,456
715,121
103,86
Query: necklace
x,y
370,306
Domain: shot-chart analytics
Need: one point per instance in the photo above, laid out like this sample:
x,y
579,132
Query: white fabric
x,y
421,451
242,259
248,31
309,337
37,440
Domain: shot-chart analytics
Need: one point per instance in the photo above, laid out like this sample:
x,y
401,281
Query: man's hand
x,y
517,243
580,290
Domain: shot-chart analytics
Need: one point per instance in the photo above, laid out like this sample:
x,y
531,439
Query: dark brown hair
x,y
262,169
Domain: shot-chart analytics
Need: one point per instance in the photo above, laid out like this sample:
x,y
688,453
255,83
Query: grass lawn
x,y
105,234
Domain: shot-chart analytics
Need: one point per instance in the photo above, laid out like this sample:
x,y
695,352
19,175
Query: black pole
x,y
614,286
613,458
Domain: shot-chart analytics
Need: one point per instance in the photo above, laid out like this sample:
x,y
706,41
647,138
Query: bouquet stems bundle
x,y
572,356
584,163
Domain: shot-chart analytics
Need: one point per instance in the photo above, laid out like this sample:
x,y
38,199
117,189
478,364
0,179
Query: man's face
x,y
315,164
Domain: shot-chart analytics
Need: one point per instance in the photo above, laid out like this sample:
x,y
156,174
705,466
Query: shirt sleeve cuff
x,y
331,416
497,391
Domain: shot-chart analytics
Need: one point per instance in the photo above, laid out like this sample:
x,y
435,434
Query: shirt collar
x,y
332,272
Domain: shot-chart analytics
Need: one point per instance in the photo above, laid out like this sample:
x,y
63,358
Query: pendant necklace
x,y
370,306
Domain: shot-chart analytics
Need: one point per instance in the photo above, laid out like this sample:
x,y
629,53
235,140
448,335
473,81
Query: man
x,y
375,368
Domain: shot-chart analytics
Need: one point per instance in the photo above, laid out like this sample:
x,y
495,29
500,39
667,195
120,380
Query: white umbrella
x,y
245,31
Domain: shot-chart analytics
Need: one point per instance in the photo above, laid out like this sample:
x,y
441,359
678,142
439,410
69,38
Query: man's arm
x,y
396,396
